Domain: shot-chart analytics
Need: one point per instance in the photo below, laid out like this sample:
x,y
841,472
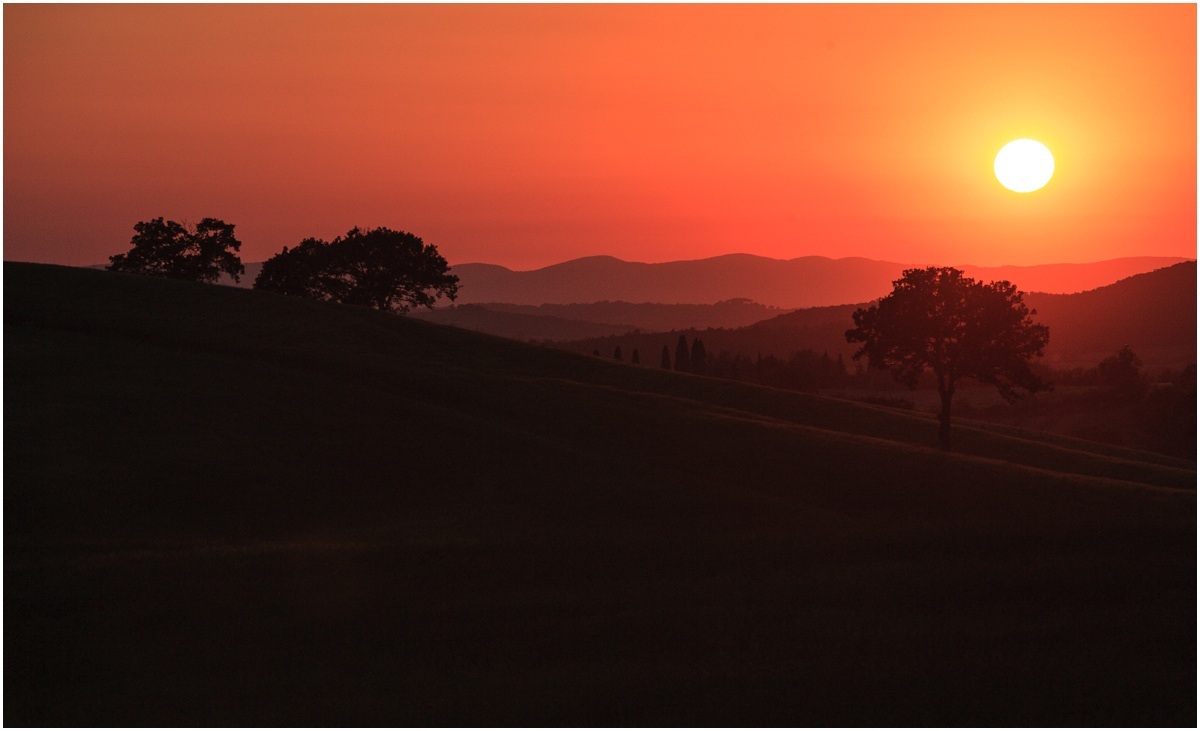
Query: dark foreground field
x,y
224,507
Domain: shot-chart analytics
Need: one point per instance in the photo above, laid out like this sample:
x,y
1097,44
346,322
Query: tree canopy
x,y
380,268
169,249
937,319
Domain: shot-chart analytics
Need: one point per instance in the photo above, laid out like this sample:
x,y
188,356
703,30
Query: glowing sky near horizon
x,y
528,135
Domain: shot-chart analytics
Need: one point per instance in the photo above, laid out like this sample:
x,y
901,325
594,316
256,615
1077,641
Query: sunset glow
x,y
529,135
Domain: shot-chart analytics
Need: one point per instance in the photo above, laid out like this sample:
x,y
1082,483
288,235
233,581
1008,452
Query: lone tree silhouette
x,y
384,269
936,318
666,358
168,249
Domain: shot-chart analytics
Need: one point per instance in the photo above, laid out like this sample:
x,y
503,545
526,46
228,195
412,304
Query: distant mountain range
x,y
810,281
1153,313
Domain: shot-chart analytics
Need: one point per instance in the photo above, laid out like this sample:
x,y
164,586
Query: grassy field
x,y
225,507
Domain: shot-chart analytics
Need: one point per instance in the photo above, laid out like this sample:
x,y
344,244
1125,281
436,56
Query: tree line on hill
x,y
380,268
692,359
1116,401
937,325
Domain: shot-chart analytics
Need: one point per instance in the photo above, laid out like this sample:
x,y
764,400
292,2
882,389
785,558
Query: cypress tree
x,y
635,359
683,360
699,359
666,358
617,353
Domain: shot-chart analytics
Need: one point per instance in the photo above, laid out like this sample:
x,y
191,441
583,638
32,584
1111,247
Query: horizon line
x,y
821,256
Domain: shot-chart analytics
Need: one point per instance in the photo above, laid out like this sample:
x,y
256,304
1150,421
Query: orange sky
x,y
528,135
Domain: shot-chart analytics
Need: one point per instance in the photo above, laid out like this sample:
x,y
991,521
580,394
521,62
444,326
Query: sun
x,y
1024,166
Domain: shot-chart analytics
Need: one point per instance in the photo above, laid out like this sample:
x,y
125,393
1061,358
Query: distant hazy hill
x,y
1153,313
233,508
810,281
576,321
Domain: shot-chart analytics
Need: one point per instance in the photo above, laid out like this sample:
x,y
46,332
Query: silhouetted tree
x,y
699,359
617,353
168,249
666,358
683,360
936,318
634,358
383,269
307,270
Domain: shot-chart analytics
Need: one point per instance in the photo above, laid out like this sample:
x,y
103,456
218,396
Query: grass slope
x,y
224,507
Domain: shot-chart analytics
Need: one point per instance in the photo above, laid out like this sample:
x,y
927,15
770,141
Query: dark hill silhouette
x,y
230,508
1153,313
518,325
810,281
575,321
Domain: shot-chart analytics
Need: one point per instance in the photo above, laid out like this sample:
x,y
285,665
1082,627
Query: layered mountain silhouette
x,y
810,281
1153,313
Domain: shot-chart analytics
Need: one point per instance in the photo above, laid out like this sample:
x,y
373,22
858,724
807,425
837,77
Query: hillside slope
x,y
575,320
225,507
521,326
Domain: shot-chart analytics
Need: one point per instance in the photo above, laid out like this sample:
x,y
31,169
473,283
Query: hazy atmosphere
x,y
600,366
529,135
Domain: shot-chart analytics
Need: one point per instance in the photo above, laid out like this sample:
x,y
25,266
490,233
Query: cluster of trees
x,y
379,268
804,370
687,360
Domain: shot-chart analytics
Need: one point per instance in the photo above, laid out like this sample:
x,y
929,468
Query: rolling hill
x,y
1153,313
595,319
227,507
518,325
811,281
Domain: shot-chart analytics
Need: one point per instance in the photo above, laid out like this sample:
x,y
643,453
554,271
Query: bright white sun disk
x,y
1024,166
